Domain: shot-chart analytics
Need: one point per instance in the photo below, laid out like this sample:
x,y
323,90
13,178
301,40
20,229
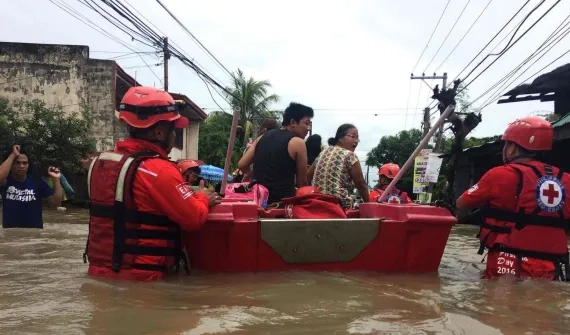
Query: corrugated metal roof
x,y
553,81
564,120
475,148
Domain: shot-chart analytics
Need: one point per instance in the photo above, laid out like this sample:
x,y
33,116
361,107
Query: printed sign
x,y
420,165
433,166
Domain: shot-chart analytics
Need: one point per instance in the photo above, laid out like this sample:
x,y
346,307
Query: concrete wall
x,y
99,80
64,75
189,144
47,72
61,75
191,134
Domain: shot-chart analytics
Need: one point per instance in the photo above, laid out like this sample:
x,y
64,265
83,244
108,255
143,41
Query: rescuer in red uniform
x,y
524,207
386,173
190,170
138,199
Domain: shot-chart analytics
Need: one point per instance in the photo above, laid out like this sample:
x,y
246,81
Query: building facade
x,y
64,75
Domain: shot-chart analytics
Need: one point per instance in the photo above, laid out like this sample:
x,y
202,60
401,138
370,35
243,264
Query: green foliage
x,y
213,141
51,136
469,142
463,100
398,148
252,98
550,117
254,101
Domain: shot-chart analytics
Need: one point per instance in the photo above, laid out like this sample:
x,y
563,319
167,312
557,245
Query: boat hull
x,y
389,238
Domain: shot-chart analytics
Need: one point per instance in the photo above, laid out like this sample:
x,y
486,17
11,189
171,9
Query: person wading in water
x,y
22,191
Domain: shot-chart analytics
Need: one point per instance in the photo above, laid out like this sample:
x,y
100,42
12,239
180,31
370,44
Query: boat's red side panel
x,y
228,241
422,233
412,238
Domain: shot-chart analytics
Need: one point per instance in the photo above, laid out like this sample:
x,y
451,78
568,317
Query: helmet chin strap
x,y
165,143
161,143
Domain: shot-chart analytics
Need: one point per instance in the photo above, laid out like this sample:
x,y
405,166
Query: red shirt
x,y
159,188
498,187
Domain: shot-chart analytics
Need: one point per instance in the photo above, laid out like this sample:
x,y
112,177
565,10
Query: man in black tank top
x,y
280,156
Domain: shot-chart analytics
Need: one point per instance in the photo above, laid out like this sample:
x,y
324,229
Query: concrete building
x,y
65,75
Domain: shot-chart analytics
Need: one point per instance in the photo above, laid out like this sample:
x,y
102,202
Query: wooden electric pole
x,y
426,111
426,123
166,55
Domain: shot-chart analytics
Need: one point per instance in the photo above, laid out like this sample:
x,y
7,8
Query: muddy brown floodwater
x,y
44,290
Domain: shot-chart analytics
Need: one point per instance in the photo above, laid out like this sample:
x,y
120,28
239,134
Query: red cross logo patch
x,y
394,199
550,194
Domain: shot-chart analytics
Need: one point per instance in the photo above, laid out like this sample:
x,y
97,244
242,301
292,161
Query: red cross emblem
x,y
550,193
394,200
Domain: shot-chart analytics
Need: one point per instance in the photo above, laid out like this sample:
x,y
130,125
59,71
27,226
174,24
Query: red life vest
x,y
397,196
313,206
115,224
537,229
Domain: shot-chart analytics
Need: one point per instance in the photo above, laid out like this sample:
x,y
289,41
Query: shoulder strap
x,y
536,171
520,182
125,184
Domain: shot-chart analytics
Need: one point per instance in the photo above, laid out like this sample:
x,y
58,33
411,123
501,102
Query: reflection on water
x,y
44,290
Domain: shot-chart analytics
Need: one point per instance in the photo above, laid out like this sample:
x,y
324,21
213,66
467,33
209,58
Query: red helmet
x,y
143,106
389,170
186,164
306,190
532,133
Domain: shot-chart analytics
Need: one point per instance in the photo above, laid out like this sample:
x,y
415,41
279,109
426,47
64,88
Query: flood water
x,y
44,290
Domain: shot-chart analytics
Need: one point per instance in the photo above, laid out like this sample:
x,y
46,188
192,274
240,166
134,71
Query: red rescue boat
x,y
391,238
239,237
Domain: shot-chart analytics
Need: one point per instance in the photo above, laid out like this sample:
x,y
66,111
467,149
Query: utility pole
x,y
426,122
166,55
426,111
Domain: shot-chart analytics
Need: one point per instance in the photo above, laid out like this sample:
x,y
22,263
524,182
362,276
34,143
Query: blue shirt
x,y
22,202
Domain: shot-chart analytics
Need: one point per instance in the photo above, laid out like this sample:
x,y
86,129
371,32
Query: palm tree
x,y
252,98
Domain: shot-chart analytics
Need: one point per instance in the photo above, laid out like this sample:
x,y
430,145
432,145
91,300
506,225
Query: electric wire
x,y
447,36
431,36
464,35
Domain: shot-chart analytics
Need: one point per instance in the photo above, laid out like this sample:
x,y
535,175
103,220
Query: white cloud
x,y
336,54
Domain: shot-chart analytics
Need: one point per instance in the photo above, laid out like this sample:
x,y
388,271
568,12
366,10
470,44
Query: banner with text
x,y
433,166
420,165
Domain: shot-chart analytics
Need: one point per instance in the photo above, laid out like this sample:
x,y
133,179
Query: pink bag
x,y
243,191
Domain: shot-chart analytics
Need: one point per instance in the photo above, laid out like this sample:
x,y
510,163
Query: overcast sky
x,y
349,60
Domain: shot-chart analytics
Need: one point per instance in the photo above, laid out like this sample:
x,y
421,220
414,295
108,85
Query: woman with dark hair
x,y
336,170
22,190
314,147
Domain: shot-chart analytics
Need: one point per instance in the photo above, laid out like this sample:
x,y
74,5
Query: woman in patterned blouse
x,y
337,170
